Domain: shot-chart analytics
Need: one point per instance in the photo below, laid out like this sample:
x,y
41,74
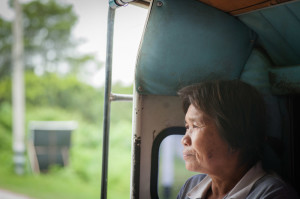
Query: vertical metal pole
x,y
18,98
106,116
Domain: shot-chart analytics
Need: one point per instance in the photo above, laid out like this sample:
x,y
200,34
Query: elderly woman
x,y
225,133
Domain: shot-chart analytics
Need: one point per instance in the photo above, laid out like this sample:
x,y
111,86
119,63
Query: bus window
x,y
172,172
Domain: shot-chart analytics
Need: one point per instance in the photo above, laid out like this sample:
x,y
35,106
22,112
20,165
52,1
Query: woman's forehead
x,y
195,114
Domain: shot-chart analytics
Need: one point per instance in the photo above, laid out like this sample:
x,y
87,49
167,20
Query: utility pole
x,y
18,99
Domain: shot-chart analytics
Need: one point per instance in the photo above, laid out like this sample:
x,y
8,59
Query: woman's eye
x,y
196,125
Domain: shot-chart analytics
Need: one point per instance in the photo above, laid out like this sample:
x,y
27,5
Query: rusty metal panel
x,y
152,114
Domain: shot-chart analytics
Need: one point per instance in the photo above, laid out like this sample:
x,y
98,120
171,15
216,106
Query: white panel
x,y
152,115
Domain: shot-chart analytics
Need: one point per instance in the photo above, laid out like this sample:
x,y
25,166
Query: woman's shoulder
x,y
194,180
190,184
272,186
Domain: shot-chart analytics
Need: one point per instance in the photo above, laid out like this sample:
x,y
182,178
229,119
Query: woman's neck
x,y
223,184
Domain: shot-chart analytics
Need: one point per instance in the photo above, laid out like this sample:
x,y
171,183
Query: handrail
x,y
106,115
117,3
108,98
120,97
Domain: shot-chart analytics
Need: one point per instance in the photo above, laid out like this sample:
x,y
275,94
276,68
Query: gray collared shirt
x,y
256,183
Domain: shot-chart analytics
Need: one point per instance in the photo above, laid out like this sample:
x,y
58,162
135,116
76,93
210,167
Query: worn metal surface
x,y
142,3
120,97
119,3
136,146
135,185
152,115
107,93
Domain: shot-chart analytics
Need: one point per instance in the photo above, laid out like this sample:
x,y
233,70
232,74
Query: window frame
x,y
176,130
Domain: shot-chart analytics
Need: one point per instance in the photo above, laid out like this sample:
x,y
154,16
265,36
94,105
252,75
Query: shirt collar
x,y
243,187
199,191
240,190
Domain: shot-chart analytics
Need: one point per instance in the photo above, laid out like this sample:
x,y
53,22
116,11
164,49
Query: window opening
x,y
168,172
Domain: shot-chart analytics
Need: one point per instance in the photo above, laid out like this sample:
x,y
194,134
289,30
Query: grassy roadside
x,y
82,178
48,187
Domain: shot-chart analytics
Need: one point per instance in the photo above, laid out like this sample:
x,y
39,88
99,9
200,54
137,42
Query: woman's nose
x,y
186,140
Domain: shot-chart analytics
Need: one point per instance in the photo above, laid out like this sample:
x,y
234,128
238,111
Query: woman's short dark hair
x,y
238,110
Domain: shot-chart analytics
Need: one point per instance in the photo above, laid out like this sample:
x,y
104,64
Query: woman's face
x,y
204,150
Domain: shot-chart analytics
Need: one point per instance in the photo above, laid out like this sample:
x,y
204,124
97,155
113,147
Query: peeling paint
x,y
136,166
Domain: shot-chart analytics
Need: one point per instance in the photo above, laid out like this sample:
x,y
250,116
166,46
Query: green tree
x,y
48,42
66,93
5,46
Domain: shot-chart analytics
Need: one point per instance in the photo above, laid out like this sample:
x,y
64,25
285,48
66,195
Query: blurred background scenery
x,y
64,44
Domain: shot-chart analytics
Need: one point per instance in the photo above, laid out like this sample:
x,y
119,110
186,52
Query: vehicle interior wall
x,y
210,44
153,114
186,42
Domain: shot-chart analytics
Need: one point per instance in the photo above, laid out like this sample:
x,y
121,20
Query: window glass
x,y
172,171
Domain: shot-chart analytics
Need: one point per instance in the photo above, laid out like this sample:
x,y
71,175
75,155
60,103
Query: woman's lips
x,y
187,154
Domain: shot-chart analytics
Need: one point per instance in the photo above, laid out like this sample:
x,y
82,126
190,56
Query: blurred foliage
x,y
52,97
5,46
5,126
66,93
47,30
56,94
5,89
55,91
48,42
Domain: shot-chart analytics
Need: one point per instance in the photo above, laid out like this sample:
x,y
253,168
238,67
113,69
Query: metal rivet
x,y
159,3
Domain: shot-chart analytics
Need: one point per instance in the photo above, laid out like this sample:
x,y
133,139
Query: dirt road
x,y
4,194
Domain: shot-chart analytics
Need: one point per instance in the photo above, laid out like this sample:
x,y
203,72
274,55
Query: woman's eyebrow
x,y
191,119
195,119
202,120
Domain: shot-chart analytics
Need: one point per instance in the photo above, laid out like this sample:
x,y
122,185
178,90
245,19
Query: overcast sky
x,y
91,27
